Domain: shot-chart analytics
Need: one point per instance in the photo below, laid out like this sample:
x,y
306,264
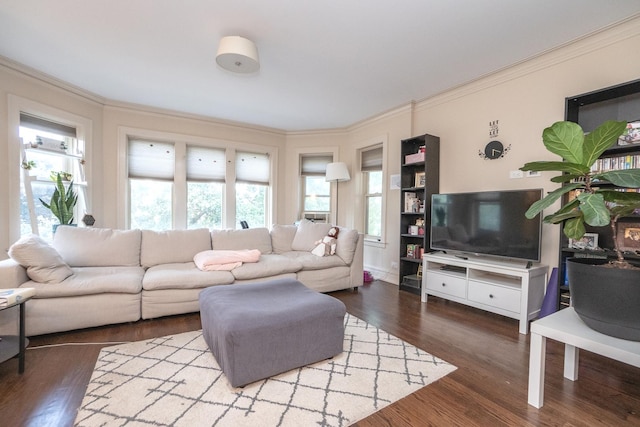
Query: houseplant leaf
x,y
566,140
602,138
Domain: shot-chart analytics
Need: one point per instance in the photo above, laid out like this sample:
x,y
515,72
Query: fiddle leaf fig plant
x,y
599,201
63,200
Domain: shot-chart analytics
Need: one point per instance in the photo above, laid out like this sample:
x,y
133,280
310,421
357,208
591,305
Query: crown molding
x,y
33,74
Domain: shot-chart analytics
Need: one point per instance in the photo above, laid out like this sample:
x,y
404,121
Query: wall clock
x,y
494,150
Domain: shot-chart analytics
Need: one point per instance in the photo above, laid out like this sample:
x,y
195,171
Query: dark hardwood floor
x,y
489,388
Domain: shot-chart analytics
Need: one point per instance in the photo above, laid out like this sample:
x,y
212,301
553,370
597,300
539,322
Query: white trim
x,y
359,205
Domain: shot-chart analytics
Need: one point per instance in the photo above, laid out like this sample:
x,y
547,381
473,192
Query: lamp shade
x,y
337,172
238,55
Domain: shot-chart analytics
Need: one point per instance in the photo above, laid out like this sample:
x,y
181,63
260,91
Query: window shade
x,y
252,168
33,122
314,164
371,160
151,159
206,164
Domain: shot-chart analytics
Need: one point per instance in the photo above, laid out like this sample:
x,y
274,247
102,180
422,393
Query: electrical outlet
x,y
394,265
516,174
531,174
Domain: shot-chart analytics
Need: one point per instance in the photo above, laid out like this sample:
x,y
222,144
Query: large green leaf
x,y
629,178
603,137
574,228
566,140
594,209
548,200
568,167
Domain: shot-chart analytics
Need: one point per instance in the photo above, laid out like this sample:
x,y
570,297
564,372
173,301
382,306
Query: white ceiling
x,y
324,64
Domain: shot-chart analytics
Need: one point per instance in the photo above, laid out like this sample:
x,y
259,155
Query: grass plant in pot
x,y
605,294
63,201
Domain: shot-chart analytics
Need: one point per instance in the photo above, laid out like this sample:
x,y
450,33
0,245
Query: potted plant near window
x,y
605,294
63,201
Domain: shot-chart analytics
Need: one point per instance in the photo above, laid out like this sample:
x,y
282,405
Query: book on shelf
x,y
14,296
411,202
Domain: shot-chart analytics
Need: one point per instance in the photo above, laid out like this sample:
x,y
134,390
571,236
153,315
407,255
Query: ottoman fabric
x,y
259,330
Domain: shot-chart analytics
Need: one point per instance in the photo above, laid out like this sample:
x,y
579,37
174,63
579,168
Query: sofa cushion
x,y
269,265
172,246
282,237
42,262
347,244
249,238
98,247
312,262
93,280
183,276
307,234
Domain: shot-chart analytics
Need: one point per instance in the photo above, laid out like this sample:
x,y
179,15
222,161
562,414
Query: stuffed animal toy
x,y
327,246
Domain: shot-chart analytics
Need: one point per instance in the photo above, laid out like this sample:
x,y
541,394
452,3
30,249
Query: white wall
x,y
524,98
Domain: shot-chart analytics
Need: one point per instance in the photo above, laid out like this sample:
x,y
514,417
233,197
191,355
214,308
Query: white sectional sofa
x,y
117,276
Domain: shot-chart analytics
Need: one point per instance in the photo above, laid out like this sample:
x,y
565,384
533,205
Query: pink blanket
x,y
216,260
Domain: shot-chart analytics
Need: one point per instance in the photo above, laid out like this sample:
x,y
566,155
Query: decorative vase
x,y
606,299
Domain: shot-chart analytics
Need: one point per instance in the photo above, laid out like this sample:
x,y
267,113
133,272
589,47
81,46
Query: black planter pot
x,y
606,299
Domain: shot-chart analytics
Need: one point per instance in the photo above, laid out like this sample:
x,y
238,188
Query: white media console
x,y
510,288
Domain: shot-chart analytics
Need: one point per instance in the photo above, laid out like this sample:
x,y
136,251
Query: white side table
x,y
566,327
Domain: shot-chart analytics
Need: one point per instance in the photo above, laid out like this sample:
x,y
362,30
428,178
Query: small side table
x,y
12,345
566,327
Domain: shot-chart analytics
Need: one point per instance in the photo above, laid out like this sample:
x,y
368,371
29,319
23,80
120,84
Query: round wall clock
x,y
494,150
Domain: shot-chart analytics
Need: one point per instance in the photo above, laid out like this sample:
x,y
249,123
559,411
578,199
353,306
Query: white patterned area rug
x,y
176,381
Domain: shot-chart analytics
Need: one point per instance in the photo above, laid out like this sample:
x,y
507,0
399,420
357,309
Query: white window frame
x,y
299,153
180,183
84,133
361,206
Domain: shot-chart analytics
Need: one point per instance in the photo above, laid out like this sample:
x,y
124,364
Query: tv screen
x,y
486,223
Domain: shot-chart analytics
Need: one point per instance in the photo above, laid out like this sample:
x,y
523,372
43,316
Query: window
x,y
183,185
206,170
46,148
151,174
371,168
252,187
316,191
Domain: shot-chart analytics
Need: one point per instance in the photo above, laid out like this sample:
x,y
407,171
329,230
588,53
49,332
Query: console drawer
x,y
495,296
446,284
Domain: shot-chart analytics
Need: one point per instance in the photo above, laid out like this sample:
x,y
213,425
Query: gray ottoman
x,y
259,330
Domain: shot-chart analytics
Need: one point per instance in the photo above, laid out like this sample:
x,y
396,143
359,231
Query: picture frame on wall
x,y
588,242
420,179
628,236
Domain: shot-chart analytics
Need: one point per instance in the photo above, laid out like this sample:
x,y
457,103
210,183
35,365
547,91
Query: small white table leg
x,y
571,359
537,353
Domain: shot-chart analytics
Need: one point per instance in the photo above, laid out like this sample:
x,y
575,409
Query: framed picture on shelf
x,y
588,242
420,179
629,236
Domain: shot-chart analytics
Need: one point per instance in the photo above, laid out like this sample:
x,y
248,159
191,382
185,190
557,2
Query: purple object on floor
x,y
550,302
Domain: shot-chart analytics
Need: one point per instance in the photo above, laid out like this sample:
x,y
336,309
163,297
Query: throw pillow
x,y
43,263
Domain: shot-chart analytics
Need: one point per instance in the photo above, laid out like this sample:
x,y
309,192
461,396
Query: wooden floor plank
x,y
488,388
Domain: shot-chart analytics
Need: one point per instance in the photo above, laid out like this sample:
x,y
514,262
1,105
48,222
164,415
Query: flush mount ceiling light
x,y
238,55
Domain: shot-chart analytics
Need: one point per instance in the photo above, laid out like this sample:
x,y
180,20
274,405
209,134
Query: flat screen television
x,y
486,223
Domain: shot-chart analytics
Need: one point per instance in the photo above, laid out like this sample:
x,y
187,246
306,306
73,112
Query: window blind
x,y
252,168
151,159
33,122
314,164
371,159
206,164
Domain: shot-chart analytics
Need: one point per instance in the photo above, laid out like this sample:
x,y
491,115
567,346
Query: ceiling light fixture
x,y
238,55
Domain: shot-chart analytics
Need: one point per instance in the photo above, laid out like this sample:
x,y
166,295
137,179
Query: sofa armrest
x,y
12,274
357,265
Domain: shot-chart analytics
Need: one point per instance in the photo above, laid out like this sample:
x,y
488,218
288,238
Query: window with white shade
x,y
371,169
252,188
183,185
316,191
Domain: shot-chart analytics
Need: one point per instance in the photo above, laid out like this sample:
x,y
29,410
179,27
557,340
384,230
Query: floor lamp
x,y
337,172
